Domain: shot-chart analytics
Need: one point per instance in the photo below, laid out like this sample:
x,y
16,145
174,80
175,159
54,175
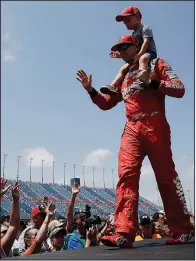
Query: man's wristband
x,y
154,84
93,93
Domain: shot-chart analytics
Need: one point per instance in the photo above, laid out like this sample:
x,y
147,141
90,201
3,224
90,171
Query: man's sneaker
x,y
178,238
109,89
117,240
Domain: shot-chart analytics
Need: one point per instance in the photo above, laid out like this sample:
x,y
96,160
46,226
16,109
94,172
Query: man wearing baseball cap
x,y
77,239
38,215
146,227
146,132
56,233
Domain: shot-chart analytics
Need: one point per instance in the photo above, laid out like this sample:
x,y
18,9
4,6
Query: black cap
x,y
79,215
145,220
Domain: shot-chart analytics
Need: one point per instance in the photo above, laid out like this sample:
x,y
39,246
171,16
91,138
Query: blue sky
x,y
45,111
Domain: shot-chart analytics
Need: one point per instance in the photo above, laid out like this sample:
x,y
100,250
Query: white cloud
x,y
38,154
11,42
8,57
10,47
97,157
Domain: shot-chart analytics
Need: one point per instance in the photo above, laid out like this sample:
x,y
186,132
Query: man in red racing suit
x,y
146,132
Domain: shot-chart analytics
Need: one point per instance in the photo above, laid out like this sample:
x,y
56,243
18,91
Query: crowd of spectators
x,y
45,233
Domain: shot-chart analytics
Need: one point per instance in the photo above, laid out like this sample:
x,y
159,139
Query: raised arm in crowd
x,y
8,239
34,242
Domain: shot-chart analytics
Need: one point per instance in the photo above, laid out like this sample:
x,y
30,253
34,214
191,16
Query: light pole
x,y
93,177
83,175
18,168
188,191
103,177
113,177
42,171
64,173
53,165
158,197
74,171
4,159
31,159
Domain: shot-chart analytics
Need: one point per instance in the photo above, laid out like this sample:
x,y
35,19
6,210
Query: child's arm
x,y
120,75
144,47
147,36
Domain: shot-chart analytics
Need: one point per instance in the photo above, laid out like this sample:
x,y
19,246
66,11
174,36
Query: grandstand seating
x,y
101,200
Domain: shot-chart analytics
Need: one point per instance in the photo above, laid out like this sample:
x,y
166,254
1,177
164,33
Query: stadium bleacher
x,y
101,200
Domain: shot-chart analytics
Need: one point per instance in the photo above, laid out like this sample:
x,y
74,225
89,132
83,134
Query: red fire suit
x,y
147,132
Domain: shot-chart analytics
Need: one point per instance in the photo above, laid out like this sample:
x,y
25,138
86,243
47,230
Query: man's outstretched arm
x,y
169,83
105,102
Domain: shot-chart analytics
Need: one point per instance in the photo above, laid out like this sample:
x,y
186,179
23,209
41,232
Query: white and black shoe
x,y
109,89
178,238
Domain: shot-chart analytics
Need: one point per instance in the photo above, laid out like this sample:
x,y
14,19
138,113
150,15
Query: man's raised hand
x,y
51,209
3,188
15,192
85,80
75,189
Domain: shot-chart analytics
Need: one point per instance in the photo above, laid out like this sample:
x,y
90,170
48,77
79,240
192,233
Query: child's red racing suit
x,y
147,132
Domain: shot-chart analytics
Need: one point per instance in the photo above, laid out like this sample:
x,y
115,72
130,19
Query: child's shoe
x,y
109,89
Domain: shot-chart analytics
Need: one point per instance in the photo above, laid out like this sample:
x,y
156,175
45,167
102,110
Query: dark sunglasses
x,y
124,46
